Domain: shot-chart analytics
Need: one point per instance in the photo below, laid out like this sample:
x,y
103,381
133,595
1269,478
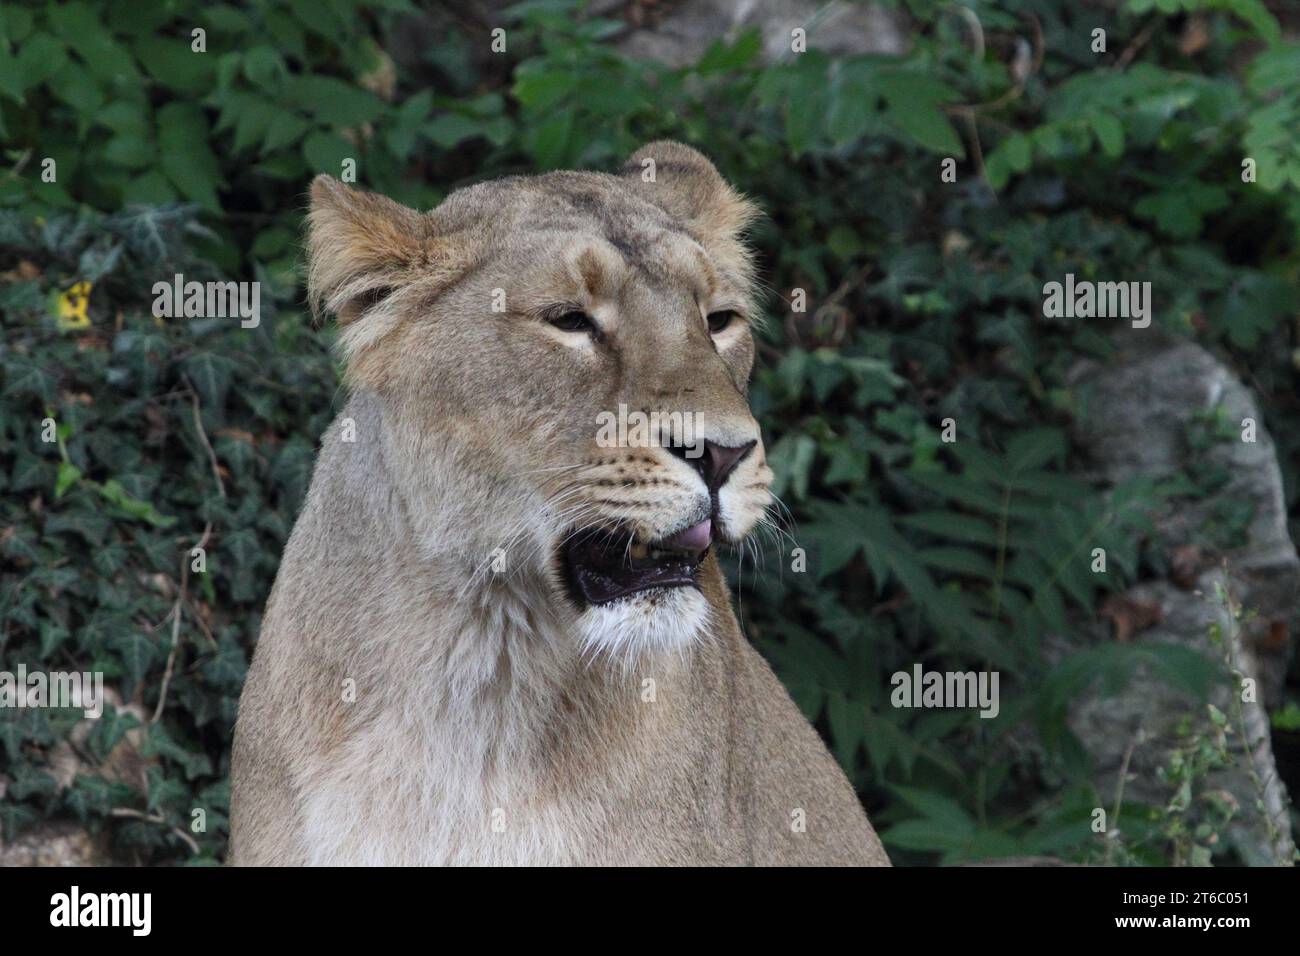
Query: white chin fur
x,y
624,630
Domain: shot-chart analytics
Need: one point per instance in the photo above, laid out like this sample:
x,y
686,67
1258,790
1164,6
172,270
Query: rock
x,y
66,842
53,844
125,763
1139,408
680,37
1155,719
674,34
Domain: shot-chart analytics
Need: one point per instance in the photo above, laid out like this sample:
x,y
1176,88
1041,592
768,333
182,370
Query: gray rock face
x,y
837,28
674,34
1140,407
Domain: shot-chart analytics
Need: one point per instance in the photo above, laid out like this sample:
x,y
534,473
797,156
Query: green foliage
x,y
924,304
96,527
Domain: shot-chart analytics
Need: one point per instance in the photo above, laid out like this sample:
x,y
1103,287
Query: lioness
x,y
493,639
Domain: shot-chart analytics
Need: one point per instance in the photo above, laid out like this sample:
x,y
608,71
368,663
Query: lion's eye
x,y
720,320
574,320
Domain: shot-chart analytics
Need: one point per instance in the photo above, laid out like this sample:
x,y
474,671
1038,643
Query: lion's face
x,y
563,362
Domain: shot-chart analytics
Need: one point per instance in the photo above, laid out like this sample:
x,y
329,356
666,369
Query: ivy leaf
x,y
69,475
791,458
164,791
210,373
226,669
137,653
1110,134
117,496
187,159
109,730
332,101
913,104
326,152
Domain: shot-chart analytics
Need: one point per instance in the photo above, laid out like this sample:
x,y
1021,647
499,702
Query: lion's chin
x,y
645,623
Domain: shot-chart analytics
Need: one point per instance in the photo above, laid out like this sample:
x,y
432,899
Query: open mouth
x,y
604,566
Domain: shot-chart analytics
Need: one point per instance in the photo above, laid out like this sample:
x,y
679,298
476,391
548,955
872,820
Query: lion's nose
x,y
716,463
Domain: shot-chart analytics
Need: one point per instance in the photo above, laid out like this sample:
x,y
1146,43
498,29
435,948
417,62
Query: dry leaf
x,y
1196,36
1129,615
1185,565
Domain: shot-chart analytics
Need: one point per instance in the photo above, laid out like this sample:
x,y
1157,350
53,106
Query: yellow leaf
x,y
72,306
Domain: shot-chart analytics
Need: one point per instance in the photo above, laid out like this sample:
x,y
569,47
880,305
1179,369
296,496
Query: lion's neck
x,y
424,630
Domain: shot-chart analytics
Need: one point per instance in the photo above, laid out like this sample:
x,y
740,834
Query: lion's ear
x,y
363,247
683,182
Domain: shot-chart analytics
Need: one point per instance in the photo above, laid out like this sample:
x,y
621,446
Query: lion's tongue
x,y
694,538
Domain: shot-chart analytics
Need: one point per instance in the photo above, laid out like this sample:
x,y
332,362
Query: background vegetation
x,y
924,302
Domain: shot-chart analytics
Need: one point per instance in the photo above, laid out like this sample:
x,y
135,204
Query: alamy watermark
x,y
133,911
208,300
946,689
638,429
1102,300
83,691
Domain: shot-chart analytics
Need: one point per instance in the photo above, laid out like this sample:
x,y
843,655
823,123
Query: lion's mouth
x,y
604,566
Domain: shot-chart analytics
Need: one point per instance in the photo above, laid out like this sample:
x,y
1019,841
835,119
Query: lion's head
x,y
562,363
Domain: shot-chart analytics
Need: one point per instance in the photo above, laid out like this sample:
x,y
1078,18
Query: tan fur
x,y
493,721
